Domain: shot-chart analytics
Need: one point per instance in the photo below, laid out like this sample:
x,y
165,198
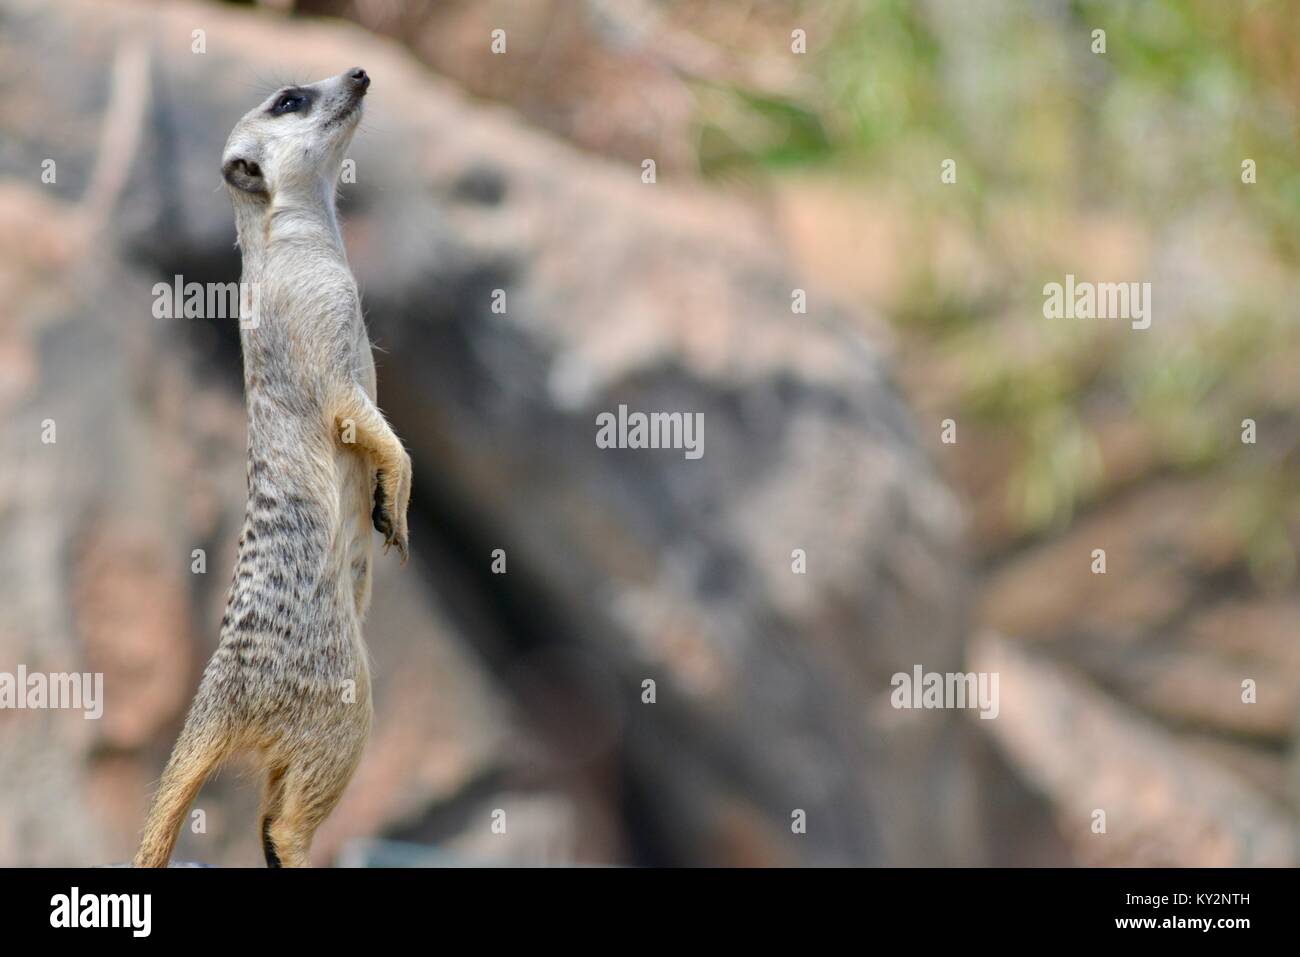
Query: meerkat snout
x,y
295,139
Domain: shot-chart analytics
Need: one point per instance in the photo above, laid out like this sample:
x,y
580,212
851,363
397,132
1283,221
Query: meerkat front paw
x,y
392,498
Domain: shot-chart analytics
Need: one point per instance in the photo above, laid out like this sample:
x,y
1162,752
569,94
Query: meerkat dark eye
x,y
289,103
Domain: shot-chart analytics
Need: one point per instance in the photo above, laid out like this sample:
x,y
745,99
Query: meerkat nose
x,y
359,78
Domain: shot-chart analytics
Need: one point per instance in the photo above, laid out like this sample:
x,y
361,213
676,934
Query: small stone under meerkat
x,y
289,682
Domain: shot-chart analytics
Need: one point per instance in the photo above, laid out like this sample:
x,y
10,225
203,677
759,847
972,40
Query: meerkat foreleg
x,y
360,423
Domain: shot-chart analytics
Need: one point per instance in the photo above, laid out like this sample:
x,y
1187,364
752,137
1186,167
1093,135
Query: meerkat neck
x,y
297,231
310,215
250,234
311,219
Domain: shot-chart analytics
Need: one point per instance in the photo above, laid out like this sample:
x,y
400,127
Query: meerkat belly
x,y
291,631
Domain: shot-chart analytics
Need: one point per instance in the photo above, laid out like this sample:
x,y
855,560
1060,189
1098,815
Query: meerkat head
x,y
292,145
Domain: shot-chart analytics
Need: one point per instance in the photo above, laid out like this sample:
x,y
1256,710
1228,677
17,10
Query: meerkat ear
x,y
244,174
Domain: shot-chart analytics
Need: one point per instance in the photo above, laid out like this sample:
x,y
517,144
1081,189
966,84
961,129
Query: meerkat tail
x,y
196,754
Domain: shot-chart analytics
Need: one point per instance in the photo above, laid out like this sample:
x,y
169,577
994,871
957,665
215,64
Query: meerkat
x,y
289,682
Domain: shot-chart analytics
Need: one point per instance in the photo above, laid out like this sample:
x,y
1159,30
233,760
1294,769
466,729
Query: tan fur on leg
x,y
195,756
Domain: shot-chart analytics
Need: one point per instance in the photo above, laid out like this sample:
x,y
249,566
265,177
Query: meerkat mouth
x,y
351,109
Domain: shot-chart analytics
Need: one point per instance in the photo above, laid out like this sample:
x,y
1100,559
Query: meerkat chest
x,y
312,319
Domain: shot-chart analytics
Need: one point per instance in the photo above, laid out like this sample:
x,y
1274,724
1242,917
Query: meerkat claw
x,y
380,516
386,523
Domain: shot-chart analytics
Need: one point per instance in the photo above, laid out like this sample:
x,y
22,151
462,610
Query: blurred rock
x,y
1165,805
624,78
1172,631
623,565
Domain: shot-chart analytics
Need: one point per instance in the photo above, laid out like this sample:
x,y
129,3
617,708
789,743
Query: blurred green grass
x,y
1152,134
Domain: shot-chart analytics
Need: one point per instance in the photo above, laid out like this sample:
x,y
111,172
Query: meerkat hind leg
x,y
272,800
196,754
308,793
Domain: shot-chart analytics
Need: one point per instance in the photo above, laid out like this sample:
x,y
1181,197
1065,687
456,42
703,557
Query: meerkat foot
x,y
393,529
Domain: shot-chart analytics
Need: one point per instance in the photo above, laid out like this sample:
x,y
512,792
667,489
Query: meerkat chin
x,y
289,682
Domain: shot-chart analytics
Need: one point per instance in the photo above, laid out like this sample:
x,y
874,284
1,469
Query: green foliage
x,y
1153,130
